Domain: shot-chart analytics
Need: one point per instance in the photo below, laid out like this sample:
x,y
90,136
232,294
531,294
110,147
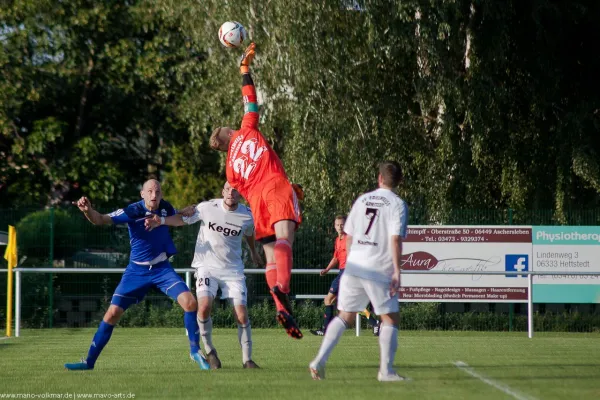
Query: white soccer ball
x,y
232,34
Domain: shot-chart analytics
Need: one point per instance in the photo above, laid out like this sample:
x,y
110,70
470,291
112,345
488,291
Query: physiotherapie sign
x,y
566,249
470,249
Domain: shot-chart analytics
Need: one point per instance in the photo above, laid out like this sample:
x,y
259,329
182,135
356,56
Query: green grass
x,y
154,363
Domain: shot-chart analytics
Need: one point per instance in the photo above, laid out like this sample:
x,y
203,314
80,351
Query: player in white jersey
x,y
375,229
218,263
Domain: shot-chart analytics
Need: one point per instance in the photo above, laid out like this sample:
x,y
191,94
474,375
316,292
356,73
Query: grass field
x,y
153,363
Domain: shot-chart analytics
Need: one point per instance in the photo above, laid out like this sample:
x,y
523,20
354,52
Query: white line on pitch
x,y
5,337
500,386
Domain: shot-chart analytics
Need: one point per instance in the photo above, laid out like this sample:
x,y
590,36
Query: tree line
x,y
486,104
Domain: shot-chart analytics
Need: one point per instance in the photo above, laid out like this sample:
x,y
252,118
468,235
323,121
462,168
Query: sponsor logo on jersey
x,y
376,198
235,148
226,231
367,243
163,212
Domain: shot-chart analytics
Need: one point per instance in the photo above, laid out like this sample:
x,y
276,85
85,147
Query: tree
x,y
91,98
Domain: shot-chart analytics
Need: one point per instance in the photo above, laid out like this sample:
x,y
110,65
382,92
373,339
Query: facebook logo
x,y
516,263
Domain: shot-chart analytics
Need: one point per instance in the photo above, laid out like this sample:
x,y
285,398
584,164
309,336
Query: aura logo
x,y
516,263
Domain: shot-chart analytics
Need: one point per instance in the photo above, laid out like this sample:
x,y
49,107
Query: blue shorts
x,y
335,285
138,279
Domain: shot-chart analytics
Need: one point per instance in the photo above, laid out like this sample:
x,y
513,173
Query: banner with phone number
x,y
466,248
501,248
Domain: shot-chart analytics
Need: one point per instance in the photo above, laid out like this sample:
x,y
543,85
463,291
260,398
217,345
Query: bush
x,y
413,316
34,234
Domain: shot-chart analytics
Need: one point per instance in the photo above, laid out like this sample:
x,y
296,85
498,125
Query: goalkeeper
x,y
257,173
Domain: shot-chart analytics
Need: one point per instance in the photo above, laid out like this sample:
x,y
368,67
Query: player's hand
x,y
83,204
187,211
395,284
256,259
247,58
152,222
324,272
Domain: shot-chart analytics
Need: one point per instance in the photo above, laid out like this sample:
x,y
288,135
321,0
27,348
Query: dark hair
x,y
391,173
340,217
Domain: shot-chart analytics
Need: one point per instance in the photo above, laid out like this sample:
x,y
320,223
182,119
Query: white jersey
x,y
219,243
375,217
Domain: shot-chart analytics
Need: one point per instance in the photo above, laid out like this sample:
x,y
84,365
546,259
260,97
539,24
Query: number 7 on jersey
x,y
371,214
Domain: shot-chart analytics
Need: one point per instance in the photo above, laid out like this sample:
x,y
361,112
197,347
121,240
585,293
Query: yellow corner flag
x,y
10,255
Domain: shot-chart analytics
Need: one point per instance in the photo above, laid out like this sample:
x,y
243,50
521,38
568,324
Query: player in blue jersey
x,y
148,267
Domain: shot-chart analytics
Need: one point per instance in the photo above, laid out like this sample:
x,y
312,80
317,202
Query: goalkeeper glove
x,y
247,58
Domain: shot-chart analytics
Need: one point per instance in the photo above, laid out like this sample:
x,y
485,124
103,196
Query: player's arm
x,y
256,259
251,240
332,264
349,226
188,211
189,215
396,249
85,206
249,97
398,228
156,221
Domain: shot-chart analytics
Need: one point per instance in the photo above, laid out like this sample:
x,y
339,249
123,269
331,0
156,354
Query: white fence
x,y
189,271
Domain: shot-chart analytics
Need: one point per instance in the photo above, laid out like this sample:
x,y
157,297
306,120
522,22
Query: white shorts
x,y
208,283
355,294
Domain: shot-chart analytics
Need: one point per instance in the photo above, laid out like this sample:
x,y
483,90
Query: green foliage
x,y
486,104
413,316
89,98
36,230
189,179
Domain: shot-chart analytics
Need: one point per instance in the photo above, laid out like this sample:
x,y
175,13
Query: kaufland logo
x,y
516,263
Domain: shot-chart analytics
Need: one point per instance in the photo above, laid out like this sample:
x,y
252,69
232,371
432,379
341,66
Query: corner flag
x,y
10,255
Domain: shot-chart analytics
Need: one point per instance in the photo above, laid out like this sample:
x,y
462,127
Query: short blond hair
x,y
213,137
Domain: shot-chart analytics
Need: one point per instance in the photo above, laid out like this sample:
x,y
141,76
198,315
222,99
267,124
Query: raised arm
x,y
251,115
85,206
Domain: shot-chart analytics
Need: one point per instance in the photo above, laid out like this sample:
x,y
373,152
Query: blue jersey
x,y
146,245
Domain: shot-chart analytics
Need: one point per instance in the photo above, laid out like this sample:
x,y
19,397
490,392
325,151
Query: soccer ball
x,y
232,34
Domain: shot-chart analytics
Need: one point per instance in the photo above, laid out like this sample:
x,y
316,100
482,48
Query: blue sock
x,y
328,316
101,337
193,332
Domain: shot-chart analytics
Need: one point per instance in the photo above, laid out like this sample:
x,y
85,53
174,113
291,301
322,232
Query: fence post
x,y
50,283
188,279
17,303
511,306
530,305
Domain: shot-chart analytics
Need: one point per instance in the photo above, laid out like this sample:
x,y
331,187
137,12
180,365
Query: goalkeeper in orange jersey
x,y
257,173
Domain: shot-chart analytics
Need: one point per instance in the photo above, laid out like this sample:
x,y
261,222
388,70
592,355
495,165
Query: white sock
x,y
388,344
334,332
245,339
206,334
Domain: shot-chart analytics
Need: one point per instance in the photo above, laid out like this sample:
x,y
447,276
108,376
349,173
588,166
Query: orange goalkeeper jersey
x,y
251,162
